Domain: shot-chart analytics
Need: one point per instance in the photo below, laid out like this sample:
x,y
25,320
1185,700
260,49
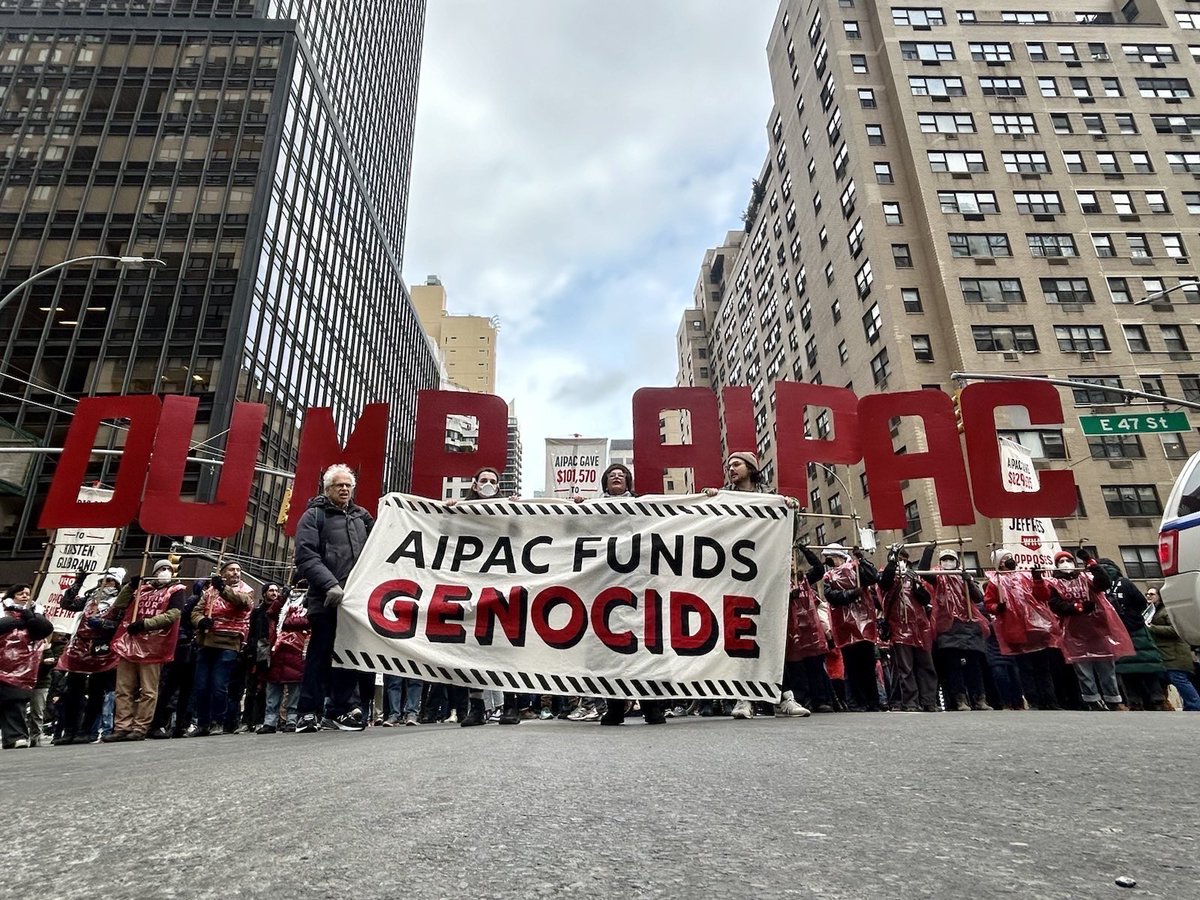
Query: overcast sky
x,y
574,159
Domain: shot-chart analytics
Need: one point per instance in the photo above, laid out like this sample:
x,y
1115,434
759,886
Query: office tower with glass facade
x,y
953,188
261,149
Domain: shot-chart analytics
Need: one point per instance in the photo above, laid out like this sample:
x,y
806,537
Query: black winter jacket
x,y
329,540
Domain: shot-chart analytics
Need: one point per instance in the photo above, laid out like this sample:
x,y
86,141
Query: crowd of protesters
x,y
160,658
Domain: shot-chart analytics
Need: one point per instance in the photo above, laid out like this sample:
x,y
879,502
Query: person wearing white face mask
x,y
149,613
960,628
22,630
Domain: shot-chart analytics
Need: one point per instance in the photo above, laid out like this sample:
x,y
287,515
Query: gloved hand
x,y
99,623
896,547
80,577
1037,574
885,629
1089,606
137,626
1083,556
135,582
1001,607
218,583
334,596
204,624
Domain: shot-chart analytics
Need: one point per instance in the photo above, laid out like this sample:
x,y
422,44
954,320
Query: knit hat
x,y
746,456
1063,555
837,550
116,573
999,555
163,564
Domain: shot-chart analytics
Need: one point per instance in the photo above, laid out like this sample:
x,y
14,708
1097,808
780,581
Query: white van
x,y
1179,552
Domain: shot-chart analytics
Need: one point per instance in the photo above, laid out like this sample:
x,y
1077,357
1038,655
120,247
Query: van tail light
x,y
1168,552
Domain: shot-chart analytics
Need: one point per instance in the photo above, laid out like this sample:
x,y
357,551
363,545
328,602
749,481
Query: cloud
x,y
573,162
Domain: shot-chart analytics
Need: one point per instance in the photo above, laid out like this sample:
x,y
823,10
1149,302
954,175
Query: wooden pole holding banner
x,y
44,570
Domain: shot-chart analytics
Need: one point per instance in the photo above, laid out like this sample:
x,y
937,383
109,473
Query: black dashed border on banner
x,y
568,685
589,508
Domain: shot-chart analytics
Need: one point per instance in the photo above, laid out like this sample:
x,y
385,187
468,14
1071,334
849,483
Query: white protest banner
x,y
672,597
75,550
574,464
1032,542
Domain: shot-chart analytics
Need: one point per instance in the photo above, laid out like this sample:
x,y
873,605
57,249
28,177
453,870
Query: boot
x,y
475,713
961,704
67,737
653,712
510,715
614,714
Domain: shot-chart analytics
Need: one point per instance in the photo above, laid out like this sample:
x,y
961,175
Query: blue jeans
x,y
275,700
397,686
1187,690
1098,679
211,690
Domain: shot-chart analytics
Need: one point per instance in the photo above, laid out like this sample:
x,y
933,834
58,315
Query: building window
x,y
969,203
1139,246
1041,444
1080,338
1172,336
1025,18
883,173
880,368
863,279
1135,338
1025,162
1131,500
1141,562
1118,288
872,322
891,213
1074,162
1156,202
925,86
1038,203
866,98
1173,446
926,51
1116,446
957,162
902,256
1013,123
1061,123
1048,86
912,518
1002,87
1066,290
917,17
1164,88
843,352
967,245
1103,245
922,348
946,123
911,298
875,135
858,63
1007,338
1051,244
1036,51
1173,245
991,290
991,52
1093,392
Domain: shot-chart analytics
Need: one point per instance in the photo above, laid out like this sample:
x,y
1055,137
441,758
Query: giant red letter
x,y
365,451
794,451
432,461
62,507
942,462
979,403
163,512
702,455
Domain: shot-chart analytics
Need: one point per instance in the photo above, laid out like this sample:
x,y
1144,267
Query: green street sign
x,y
1145,423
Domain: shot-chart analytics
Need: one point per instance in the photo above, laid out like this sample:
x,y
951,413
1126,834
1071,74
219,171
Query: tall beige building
x,y
467,343
956,188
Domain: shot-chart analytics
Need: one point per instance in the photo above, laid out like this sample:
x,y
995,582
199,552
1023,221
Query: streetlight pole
x,y
125,262
1150,298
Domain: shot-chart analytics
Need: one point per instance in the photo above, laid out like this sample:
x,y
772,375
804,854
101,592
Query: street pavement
x,y
973,805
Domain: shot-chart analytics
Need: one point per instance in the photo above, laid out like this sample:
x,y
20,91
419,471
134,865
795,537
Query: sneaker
x,y
494,715
527,713
453,717
391,721
288,728
545,713
63,740
308,724
20,744
789,706
592,714
743,710
266,729
159,734
410,719
1095,706
676,712
577,714
351,721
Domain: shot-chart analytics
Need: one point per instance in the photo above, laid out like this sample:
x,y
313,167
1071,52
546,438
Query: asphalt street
x,y
979,805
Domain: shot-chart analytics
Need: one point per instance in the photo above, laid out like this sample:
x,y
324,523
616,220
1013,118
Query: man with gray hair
x,y
329,538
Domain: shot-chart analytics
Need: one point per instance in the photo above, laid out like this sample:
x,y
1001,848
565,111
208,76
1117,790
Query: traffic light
x,y
958,419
